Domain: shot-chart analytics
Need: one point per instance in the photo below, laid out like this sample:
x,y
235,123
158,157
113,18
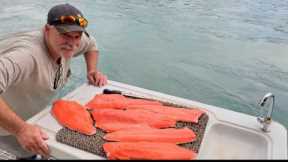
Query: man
x,y
34,65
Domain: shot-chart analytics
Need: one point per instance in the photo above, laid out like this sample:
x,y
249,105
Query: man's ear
x,y
47,27
46,30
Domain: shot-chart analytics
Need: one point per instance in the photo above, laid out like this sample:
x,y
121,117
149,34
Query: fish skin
x,y
73,115
147,151
169,135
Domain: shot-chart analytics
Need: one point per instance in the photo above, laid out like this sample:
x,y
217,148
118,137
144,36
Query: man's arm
x,y
30,137
94,76
8,119
13,68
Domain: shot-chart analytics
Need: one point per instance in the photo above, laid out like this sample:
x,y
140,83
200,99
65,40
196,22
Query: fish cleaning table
x,y
84,93
224,130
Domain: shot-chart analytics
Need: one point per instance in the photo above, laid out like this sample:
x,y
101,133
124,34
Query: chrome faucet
x,y
266,120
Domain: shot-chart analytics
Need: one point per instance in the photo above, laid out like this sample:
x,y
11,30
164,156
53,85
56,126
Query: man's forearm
x,y
91,59
94,76
8,119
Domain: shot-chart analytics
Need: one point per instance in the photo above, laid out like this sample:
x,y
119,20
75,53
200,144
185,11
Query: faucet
x,y
267,119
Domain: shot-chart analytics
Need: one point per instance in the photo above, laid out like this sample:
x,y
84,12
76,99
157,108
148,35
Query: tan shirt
x,y
27,72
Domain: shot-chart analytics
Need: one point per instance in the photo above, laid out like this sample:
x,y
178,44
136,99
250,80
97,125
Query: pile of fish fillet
x,y
135,128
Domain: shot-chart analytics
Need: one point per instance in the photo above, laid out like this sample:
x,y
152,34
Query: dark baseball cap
x,y
57,11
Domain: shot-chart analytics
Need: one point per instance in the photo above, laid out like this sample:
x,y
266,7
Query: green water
x,y
227,53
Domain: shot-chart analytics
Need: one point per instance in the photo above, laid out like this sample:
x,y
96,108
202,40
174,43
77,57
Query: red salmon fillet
x,y
73,116
102,101
169,135
178,114
156,120
116,101
131,102
116,126
146,151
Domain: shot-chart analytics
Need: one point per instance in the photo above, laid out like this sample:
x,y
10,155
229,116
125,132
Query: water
x,y
227,53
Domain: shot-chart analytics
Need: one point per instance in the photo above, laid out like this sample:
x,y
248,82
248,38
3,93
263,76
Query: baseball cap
x,y
66,18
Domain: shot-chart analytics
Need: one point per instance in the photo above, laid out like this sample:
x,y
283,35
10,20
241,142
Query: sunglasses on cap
x,y
81,21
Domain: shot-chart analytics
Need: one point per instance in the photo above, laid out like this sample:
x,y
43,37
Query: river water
x,y
227,53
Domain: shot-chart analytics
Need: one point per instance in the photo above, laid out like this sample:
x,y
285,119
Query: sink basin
x,y
224,141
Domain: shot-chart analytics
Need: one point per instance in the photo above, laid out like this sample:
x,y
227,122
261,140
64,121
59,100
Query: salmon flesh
x,y
146,151
73,116
169,135
104,116
178,114
116,101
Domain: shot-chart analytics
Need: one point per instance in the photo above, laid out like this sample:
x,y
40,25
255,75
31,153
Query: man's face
x,y
64,44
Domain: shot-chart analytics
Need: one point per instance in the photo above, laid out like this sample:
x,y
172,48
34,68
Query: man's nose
x,y
71,40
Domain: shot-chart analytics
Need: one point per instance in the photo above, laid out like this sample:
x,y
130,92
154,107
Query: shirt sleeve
x,y
14,67
87,44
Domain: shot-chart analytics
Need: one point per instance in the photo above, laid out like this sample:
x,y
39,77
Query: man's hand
x,y
32,138
97,78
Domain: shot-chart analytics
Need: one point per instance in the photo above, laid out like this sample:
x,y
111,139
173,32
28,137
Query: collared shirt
x,y
28,73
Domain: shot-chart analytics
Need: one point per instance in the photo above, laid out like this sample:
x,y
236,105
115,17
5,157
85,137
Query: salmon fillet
x,y
116,101
102,101
169,135
73,116
132,102
178,114
116,126
156,120
146,151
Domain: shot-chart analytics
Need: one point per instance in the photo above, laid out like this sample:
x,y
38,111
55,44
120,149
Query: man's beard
x,y
68,47
67,50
